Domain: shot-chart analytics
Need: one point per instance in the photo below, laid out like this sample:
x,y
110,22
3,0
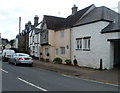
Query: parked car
x,y
7,53
21,58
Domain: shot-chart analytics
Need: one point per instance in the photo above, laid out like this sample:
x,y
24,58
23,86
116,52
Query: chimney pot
x,y
36,18
74,9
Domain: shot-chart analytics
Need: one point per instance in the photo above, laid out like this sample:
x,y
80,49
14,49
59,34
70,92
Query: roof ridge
x,y
92,7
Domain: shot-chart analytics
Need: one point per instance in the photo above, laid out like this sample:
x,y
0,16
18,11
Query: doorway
x,y
117,53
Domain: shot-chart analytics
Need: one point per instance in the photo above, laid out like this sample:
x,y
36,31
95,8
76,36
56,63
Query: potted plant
x,y
57,60
68,61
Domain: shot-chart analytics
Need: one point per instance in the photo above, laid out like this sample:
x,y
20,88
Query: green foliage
x,y
68,61
57,60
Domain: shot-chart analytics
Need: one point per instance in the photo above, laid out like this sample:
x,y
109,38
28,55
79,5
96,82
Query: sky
x,y
11,10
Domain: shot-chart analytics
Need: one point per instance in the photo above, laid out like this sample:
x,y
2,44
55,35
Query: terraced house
x,y
91,35
56,35
95,38
34,38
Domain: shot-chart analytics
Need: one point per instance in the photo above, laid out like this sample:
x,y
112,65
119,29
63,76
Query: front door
x,y
116,54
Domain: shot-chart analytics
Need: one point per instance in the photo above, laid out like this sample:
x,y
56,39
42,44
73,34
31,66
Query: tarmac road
x,y
23,78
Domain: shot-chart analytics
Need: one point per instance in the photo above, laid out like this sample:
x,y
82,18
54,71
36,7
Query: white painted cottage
x,y
95,37
35,42
34,39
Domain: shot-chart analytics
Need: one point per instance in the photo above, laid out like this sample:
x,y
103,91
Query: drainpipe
x,y
101,67
70,45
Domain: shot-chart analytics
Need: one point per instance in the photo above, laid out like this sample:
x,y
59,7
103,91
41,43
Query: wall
x,y
55,41
63,42
100,48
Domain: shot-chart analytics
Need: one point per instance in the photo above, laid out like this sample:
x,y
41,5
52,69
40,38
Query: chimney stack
x,y
119,7
36,19
74,9
19,25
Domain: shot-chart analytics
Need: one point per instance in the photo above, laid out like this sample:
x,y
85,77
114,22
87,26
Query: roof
x,y
72,19
102,14
98,14
58,23
53,22
112,27
87,15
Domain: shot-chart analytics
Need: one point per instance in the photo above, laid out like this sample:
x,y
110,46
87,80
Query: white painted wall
x,y
34,44
100,47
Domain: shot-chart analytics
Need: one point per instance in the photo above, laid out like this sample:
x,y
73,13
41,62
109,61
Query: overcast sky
x,y
10,10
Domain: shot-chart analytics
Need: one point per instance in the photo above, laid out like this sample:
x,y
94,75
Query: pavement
x,y
104,76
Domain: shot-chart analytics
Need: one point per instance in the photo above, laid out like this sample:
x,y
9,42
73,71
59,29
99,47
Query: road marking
x,y
32,84
3,70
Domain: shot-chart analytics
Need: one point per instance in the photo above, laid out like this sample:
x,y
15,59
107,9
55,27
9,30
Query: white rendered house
x,y
34,39
96,37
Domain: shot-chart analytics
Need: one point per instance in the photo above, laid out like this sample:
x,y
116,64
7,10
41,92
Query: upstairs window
x,y
62,34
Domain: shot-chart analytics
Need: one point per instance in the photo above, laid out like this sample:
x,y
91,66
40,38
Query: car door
x,y
13,58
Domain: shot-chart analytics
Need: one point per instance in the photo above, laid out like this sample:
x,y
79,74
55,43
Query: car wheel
x,y
30,65
9,62
15,64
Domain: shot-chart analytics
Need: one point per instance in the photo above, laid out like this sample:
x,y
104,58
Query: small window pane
x,y
56,51
62,50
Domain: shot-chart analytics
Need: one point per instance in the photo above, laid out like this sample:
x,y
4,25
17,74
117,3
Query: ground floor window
x,y
56,51
62,50
86,42
46,51
79,43
33,49
83,43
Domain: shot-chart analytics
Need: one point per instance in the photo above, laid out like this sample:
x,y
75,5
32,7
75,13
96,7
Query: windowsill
x,y
86,49
78,49
82,49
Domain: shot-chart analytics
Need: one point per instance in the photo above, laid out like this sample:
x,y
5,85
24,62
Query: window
x,y
56,52
83,43
62,34
33,39
62,50
79,43
86,43
46,51
33,49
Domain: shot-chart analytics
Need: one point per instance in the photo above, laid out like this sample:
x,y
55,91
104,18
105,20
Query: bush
x,y
68,61
57,60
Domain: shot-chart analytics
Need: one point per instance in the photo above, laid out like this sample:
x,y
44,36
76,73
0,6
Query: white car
x,y
21,58
6,54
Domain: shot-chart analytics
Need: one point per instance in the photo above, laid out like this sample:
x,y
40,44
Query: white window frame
x,y
62,50
78,43
62,34
87,41
56,51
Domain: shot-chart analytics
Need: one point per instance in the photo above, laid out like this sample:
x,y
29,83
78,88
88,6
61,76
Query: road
x,y
24,78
